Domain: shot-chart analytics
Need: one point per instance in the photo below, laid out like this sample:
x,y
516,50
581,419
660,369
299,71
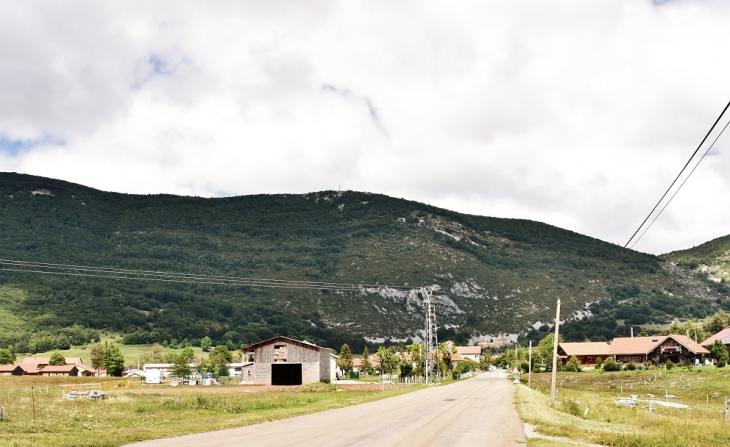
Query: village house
x,y
242,370
723,336
43,361
470,352
657,349
30,369
586,352
63,370
11,370
285,361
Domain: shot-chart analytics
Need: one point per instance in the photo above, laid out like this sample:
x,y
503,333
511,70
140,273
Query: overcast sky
x,y
578,114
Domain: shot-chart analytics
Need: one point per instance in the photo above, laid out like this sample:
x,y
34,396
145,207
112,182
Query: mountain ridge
x,y
498,276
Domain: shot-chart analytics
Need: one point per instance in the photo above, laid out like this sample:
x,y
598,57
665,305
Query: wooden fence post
x,y
32,394
649,411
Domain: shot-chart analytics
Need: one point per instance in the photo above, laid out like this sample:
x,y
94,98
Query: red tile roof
x,y
644,345
469,350
30,367
723,336
36,360
599,348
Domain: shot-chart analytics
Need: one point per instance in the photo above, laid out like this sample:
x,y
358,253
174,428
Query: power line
x,y
147,275
622,250
678,175
680,186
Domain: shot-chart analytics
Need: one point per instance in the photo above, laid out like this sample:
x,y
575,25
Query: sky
x,y
578,114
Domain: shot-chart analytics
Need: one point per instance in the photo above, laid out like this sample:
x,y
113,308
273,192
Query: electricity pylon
x,y
431,341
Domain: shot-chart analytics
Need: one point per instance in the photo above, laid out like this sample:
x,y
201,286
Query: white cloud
x,y
572,113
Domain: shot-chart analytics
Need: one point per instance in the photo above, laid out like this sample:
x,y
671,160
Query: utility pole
x,y
529,368
555,353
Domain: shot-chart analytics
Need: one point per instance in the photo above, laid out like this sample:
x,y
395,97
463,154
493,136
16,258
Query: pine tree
x,y
366,366
344,362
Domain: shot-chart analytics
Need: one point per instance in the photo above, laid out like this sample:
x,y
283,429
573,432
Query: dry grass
x,y
605,423
45,419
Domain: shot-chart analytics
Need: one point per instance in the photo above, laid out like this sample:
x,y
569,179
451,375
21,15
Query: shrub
x,y
631,366
599,362
719,353
610,365
573,365
670,365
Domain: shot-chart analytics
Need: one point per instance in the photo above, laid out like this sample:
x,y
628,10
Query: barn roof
x,y
280,338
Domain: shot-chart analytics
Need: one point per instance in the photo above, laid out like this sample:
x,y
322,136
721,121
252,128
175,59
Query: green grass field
x,y
586,409
46,419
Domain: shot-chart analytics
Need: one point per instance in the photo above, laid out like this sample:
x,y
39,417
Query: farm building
x,y
285,361
65,370
11,370
586,352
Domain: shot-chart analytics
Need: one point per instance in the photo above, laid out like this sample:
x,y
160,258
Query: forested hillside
x,y
498,276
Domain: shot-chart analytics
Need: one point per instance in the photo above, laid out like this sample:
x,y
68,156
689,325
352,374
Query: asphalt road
x,y
475,412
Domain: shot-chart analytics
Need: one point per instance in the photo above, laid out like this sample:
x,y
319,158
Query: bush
x,y
573,365
719,353
610,365
631,366
670,365
455,374
599,362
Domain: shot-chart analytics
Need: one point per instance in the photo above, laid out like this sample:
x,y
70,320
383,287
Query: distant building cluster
x,y
38,366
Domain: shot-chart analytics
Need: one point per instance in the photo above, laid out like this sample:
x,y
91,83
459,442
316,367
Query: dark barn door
x,y
286,374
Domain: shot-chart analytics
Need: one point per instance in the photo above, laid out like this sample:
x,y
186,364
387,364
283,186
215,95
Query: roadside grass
x,y
45,419
586,409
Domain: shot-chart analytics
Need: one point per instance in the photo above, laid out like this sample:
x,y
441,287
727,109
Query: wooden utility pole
x,y
529,368
555,353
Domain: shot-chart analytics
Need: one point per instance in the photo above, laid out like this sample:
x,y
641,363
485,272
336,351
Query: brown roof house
x,y
285,361
586,352
657,349
63,370
31,369
723,336
470,352
11,370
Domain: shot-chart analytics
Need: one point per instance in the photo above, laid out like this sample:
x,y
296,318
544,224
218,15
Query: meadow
x,y
687,408
41,417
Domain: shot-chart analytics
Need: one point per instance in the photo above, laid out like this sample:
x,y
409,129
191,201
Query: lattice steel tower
x,y
433,371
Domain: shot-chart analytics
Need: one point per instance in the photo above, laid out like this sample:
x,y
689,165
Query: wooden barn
x,y
285,361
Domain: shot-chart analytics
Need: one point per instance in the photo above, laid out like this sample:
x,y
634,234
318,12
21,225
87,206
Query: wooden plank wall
x,y
295,353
